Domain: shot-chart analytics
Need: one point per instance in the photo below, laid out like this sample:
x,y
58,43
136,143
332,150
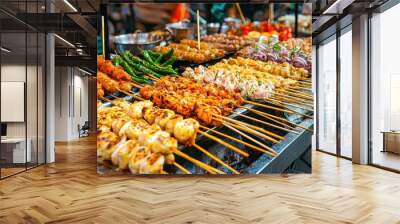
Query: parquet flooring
x,y
70,191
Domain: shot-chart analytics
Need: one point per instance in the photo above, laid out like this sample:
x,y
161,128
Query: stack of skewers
x,y
143,127
210,104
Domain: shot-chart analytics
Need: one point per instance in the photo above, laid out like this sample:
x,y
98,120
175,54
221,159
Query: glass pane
x,y
386,89
31,100
346,94
13,80
41,99
327,97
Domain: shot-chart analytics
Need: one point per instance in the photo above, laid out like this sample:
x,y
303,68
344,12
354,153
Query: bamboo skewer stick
x,y
278,109
297,91
251,139
126,93
279,118
181,168
137,85
198,30
240,141
294,111
198,163
105,99
299,87
266,123
247,129
276,121
216,159
240,13
292,101
304,82
291,94
270,137
291,97
286,105
151,78
233,148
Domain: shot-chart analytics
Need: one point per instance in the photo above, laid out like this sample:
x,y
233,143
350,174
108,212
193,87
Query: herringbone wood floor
x,y
70,191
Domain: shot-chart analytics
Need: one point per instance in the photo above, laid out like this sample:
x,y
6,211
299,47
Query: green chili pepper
x,y
154,68
147,57
168,54
158,60
170,61
125,65
154,55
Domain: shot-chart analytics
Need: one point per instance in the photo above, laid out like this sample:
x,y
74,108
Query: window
x,y
346,93
385,88
327,96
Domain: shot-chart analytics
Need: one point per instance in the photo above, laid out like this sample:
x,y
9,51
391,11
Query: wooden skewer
x,y
198,30
202,165
181,168
105,99
278,109
151,78
134,95
240,141
308,81
124,92
299,87
216,159
137,85
297,93
251,139
266,123
291,97
304,85
286,105
294,111
279,118
300,92
277,121
240,13
292,101
291,94
254,127
233,148
305,82
246,129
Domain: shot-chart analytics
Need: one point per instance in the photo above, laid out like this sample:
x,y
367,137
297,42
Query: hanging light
x,y
70,5
5,50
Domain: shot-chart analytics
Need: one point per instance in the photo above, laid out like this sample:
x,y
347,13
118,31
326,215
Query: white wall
x,y
71,102
33,127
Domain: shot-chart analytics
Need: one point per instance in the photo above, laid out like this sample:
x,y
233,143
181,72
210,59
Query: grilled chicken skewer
x,y
184,130
147,149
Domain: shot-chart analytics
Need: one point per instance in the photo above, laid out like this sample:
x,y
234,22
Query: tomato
x,y
245,29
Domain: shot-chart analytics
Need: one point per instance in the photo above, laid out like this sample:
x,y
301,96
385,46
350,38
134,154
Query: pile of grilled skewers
x,y
187,50
144,136
206,103
212,47
229,43
255,80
